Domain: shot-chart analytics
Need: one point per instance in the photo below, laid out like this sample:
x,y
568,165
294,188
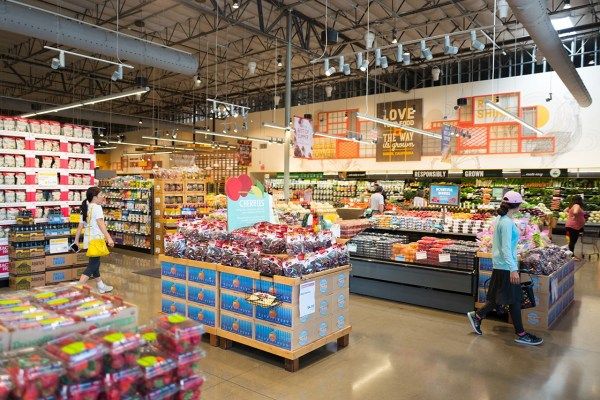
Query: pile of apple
x,y
594,217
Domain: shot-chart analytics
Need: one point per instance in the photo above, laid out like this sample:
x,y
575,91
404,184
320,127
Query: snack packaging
x,y
34,126
67,130
77,131
82,357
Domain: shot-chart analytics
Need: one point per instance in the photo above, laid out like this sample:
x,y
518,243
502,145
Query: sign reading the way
x,y
395,144
247,202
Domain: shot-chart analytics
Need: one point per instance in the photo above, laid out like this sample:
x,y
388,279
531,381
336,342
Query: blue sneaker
x,y
475,322
529,340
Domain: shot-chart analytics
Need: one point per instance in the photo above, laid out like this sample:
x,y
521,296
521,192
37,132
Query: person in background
x,y
505,283
383,192
93,226
419,201
307,196
575,222
377,202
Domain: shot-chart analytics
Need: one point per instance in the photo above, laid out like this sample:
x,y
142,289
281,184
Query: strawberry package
x,y
188,363
82,357
82,391
158,371
190,388
34,374
122,384
165,393
124,348
6,385
178,334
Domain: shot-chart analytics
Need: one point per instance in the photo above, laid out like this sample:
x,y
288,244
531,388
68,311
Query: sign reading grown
x,y
247,202
396,144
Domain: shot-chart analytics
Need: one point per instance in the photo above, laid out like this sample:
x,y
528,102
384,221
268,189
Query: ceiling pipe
x,y
35,22
533,16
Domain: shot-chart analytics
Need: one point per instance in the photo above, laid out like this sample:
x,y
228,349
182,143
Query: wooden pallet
x,y
291,357
213,339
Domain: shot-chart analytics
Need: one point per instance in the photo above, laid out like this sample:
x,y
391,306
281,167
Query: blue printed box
x,y
281,315
282,338
170,305
174,288
206,295
325,306
203,276
485,264
236,303
237,283
172,270
484,278
204,315
324,285
341,280
340,321
284,293
236,324
339,301
323,329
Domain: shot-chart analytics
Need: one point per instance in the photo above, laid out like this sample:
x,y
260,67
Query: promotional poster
x,y
303,137
395,144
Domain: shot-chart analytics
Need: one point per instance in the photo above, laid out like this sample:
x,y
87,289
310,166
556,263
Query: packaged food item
x,y
20,196
20,143
87,132
34,374
47,162
11,213
9,196
190,388
79,163
67,130
85,149
9,178
82,391
72,163
158,371
55,145
45,127
22,125
9,142
6,385
39,145
122,384
188,363
1,160
77,131
55,195
71,179
9,160
20,178
178,334
78,180
2,199
165,393
47,145
9,124
55,128
34,126
19,161
82,357
86,164
123,348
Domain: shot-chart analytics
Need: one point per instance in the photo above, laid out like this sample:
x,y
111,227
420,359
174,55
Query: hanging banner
x,y
247,202
545,173
244,153
303,137
447,131
395,144
445,195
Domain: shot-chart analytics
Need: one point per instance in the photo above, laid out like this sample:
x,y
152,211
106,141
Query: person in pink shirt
x,y
575,222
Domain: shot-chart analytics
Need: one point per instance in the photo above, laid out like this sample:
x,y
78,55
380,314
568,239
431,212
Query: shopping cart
x,y
590,236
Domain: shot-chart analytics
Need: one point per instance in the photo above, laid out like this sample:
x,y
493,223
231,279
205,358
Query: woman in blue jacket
x,y
505,283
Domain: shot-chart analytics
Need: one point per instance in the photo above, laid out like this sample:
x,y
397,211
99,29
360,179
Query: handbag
x,y
528,297
96,247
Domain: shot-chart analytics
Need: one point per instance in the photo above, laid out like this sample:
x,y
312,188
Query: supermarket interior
x,y
313,199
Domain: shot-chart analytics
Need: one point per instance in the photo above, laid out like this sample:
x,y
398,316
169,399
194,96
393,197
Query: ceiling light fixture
x,y
58,62
406,59
327,69
396,125
237,137
63,52
426,51
476,44
502,8
346,139
279,61
347,70
567,4
369,39
197,81
235,5
435,73
377,57
501,110
399,52
449,49
252,67
276,100
118,74
384,62
328,90
87,102
104,148
140,122
270,125
394,38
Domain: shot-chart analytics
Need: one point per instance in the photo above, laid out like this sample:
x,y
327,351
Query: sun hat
x,y
513,197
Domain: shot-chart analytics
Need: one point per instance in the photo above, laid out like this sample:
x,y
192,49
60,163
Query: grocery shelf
x,y
19,204
129,233
22,152
4,132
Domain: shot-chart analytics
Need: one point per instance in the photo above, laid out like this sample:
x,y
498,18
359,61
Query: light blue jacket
x,y
504,244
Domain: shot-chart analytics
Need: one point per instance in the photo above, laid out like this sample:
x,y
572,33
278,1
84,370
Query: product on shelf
x,y
34,373
158,371
530,236
351,227
83,357
122,384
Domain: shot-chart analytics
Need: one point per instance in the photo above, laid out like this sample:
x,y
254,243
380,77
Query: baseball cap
x,y
513,197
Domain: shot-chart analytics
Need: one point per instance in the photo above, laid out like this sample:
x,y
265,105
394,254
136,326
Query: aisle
x,y
399,351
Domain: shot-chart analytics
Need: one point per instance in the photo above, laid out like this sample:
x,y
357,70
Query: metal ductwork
x,y
45,25
533,16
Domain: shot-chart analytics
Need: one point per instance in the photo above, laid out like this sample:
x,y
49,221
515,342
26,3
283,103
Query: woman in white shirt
x,y
93,225
377,202
419,201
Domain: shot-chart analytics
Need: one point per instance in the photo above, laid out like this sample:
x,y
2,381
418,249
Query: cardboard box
x,y
285,315
544,283
340,280
80,258
485,264
173,287
324,307
340,320
59,261
284,293
288,339
79,271
237,283
203,295
236,302
170,305
60,275
27,267
323,328
546,300
340,300
26,282
173,270
204,276
204,315
237,324
534,318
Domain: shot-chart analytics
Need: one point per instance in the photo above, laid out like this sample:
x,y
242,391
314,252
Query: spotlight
x,y
364,66
449,49
369,39
394,38
279,62
140,121
235,5
251,67
138,97
118,74
235,129
58,62
503,9
377,57
276,100
359,60
476,44
174,135
426,51
567,4
328,70
197,81
384,62
234,112
101,134
346,69
435,73
328,90
399,52
406,59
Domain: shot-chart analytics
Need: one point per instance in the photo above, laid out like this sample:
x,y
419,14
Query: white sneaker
x,y
103,288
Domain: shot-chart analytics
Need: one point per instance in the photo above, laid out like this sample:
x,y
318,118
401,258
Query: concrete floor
x,y
398,351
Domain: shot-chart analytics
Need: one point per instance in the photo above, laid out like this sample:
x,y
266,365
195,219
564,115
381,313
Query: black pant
x,y
573,238
93,268
514,310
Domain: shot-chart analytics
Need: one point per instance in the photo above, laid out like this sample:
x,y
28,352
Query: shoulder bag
x,y
96,246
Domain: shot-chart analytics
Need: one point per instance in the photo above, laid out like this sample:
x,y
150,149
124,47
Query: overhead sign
x,y
430,174
303,137
302,175
247,202
482,173
352,174
545,173
447,131
396,144
445,195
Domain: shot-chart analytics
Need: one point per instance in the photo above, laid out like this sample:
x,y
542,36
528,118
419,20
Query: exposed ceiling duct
x,y
45,25
533,15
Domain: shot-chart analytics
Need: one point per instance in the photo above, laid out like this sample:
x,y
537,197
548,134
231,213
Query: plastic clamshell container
x,y
164,393
82,391
6,385
158,370
188,363
190,388
82,357
34,373
178,334
122,384
41,320
14,300
123,348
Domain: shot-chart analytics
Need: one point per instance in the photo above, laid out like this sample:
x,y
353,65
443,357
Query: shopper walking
x,y
94,228
307,196
575,222
377,202
505,283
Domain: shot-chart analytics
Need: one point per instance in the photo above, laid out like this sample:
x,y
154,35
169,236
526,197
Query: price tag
x,y
421,255
306,301
444,257
400,257
352,247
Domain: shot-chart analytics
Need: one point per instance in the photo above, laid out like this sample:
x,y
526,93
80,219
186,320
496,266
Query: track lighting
x,y
359,60
394,38
140,121
364,66
118,74
328,70
567,4
58,62
251,67
346,69
406,59
341,63
279,61
426,51
503,9
377,57
384,62
399,52
476,44
435,73
235,5
449,49
369,39
197,81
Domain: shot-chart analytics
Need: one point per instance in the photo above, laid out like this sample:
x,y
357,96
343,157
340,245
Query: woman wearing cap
x,y
505,283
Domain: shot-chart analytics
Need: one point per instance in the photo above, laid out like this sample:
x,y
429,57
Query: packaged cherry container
x,y
190,388
188,363
6,385
165,393
178,334
82,391
124,348
158,371
82,357
122,384
34,374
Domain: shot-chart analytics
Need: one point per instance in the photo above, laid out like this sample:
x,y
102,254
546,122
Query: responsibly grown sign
x,y
247,202
396,144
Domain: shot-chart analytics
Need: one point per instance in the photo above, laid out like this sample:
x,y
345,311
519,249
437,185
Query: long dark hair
x,y
577,199
89,196
506,206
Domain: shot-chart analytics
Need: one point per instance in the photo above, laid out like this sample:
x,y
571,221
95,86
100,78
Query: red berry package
x,y
83,358
190,388
122,384
188,363
123,348
158,371
178,334
6,385
81,391
34,374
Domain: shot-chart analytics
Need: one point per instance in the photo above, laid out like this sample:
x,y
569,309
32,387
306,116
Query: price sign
x,y
421,255
352,247
400,257
444,257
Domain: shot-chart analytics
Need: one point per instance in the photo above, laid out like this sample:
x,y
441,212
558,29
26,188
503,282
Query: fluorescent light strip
x,y
149,145
175,140
270,125
396,125
105,148
88,57
275,141
148,153
88,102
347,139
513,117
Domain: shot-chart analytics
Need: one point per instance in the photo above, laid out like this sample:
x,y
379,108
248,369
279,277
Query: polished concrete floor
x,y
398,351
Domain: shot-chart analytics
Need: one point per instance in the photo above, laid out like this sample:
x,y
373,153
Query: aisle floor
x,y
398,351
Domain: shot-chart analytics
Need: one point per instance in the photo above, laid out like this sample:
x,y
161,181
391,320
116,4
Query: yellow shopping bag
x,y
96,247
